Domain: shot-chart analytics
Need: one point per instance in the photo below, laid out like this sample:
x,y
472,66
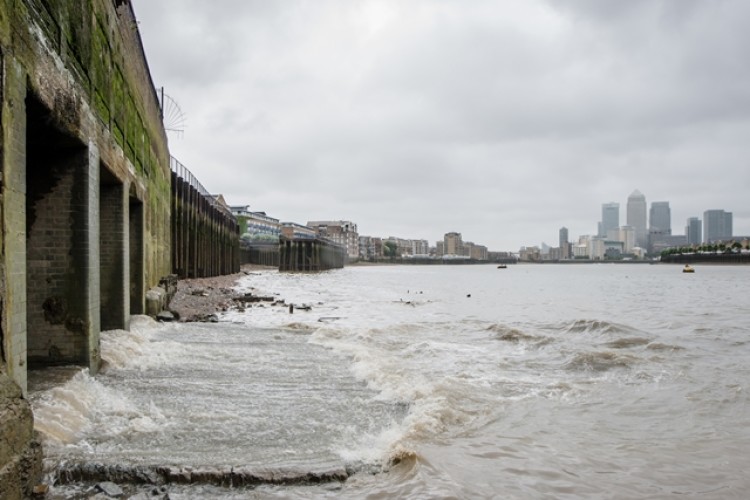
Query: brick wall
x,y
56,299
113,257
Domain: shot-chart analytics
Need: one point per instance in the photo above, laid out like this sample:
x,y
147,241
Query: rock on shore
x,y
20,449
199,299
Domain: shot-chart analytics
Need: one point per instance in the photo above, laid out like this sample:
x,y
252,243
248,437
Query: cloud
x,y
500,120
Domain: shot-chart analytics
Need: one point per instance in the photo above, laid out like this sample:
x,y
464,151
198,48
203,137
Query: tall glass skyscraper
x,y
717,226
610,219
637,212
660,218
564,243
693,231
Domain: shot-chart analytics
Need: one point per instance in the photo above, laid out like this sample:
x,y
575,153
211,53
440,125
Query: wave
x,y
594,326
67,413
600,361
656,346
134,348
299,327
627,342
514,335
402,456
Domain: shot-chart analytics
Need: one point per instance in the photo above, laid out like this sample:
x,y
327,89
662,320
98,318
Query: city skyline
x,y
658,221
501,120
710,225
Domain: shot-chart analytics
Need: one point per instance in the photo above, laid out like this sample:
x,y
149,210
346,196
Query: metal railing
x,y
187,176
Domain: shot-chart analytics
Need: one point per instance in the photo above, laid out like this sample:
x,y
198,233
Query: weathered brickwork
x,y
84,197
83,144
55,285
113,255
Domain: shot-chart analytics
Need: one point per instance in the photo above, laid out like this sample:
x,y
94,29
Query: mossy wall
x,y
73,70
95,45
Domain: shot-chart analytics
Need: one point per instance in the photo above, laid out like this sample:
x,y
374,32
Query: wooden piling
x,y
205,234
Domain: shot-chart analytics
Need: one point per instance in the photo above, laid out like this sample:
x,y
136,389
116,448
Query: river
x,y
535,381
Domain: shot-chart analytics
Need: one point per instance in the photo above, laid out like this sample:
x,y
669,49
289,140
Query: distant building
x,y
667,241
601,248
404,247
717,226
636,217
693,231
500,256
660,218
530,254
453,244
255,225
475,252
370,248
610,218
565,246
420,247
341,232
292,230
219,200
627,236
582,248
581,251
554,254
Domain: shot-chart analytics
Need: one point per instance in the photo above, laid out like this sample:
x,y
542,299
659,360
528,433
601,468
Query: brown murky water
x,y
614,381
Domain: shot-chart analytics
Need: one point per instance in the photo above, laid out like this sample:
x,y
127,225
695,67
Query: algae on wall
x,y
77,69
98,43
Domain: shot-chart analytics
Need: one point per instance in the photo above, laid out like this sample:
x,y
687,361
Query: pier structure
x,y
260,253
205,234
310,254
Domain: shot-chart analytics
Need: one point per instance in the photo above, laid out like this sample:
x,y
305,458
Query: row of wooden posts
x,y
314,254
205,234
205,237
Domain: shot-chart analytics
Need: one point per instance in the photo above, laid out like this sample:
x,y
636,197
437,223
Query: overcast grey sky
x,y
503,120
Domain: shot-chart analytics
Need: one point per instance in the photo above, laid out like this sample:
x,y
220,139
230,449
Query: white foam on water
x,y
84,408
122,349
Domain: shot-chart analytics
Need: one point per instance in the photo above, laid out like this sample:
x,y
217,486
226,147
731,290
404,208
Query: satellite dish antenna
x,y
171,114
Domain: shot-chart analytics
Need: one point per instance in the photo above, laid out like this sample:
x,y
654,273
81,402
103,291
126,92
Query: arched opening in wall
x,y
137,252
113,252
57,242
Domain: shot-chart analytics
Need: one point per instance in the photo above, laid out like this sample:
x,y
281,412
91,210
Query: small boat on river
x,y
688,269
502,266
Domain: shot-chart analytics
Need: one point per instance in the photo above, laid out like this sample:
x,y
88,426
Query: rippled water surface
x,y
617,381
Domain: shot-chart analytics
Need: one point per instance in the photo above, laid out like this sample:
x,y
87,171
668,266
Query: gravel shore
x,y
199,299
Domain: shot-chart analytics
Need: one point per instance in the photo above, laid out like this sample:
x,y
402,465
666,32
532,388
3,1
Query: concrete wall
x,y
20,451
84,191
82,144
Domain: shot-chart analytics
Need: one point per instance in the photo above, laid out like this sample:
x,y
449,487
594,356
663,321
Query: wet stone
x,y
165,316
110,489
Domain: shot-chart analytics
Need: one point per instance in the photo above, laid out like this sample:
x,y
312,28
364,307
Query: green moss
x,y
45,13
101,70
96,47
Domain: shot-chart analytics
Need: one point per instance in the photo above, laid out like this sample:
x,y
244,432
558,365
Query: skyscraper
x,y
660,218
717,226
693,231
637,217
564,243
610,218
